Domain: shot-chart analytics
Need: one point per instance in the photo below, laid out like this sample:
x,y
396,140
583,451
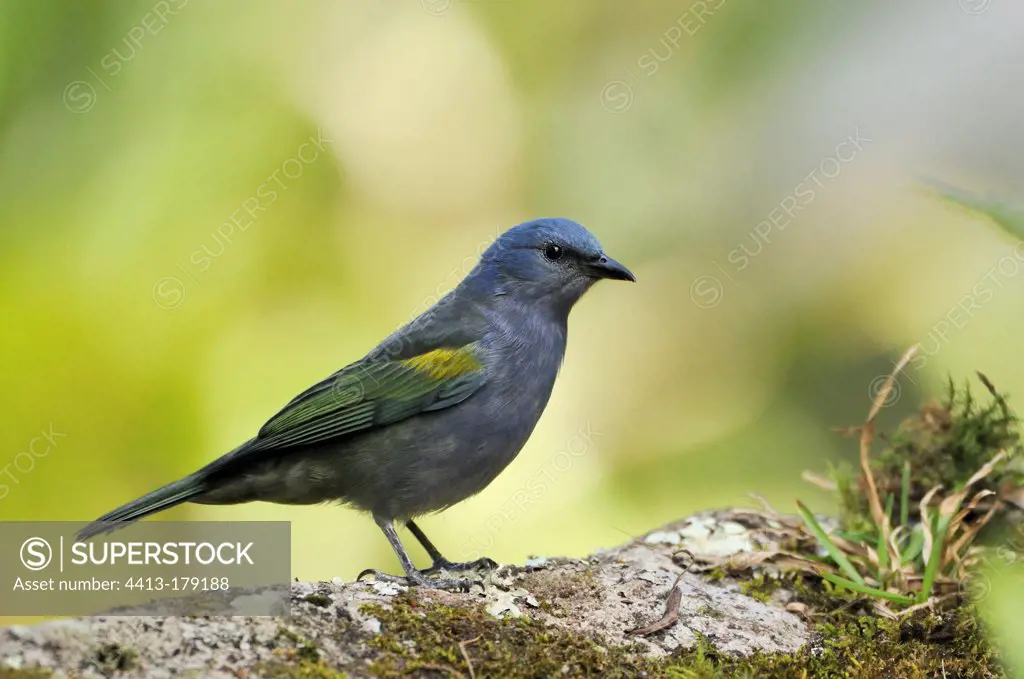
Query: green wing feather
x,y
375,393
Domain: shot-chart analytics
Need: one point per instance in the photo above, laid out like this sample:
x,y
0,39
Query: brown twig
x,y
867,436
765,505
465,655
819,481
929,605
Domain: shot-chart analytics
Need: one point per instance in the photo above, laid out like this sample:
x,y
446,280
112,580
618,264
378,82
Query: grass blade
x,y
932,569
861,588
913,549
854,537
882,544
905,495
1009,217
826,542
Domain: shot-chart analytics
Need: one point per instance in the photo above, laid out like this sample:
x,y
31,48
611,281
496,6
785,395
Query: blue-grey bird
x,y
429,417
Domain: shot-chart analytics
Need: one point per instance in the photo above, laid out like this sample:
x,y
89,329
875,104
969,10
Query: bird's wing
x,y
373,393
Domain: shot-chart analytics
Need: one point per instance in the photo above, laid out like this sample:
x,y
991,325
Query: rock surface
x,y
602,597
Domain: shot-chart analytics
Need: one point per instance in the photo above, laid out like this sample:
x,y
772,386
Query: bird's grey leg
x,y
412,576
441,563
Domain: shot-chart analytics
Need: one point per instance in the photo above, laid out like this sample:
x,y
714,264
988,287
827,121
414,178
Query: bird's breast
x,y
524,356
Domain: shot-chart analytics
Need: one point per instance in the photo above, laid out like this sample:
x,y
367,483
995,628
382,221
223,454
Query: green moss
x,y
307,652
113,658
321,600
945,444
288,636
298,670
706,611
32,673
761,586
700,663
300,659
422,639
716,574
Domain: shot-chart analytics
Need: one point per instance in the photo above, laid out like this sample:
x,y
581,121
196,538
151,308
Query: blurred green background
x,y
208,206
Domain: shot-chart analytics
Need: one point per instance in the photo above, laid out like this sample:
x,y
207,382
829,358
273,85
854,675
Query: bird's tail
x,y
171,495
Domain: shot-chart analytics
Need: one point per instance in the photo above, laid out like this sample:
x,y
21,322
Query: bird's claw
x,y
370,571
418,580
445,565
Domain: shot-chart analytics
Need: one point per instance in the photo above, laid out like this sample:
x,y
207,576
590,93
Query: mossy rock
x,y
423,639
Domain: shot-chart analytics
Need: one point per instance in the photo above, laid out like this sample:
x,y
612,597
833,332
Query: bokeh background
x,y
206,207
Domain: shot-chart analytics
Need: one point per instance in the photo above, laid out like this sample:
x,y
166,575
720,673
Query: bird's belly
x,y
435,460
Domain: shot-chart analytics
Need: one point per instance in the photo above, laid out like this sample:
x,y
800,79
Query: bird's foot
x,y
484,564
418,579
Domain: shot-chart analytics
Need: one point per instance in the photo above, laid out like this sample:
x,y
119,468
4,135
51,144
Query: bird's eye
x,y
553,252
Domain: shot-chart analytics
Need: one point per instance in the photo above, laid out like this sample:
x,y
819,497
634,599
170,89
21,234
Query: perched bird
x,y
429,417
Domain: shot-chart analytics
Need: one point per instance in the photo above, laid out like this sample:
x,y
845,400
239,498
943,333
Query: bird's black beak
x,y
606,267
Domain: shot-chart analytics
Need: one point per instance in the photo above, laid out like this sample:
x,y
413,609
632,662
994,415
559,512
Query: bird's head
x,y
554,260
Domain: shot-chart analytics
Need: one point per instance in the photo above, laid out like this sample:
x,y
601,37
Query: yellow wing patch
x,y
445,364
